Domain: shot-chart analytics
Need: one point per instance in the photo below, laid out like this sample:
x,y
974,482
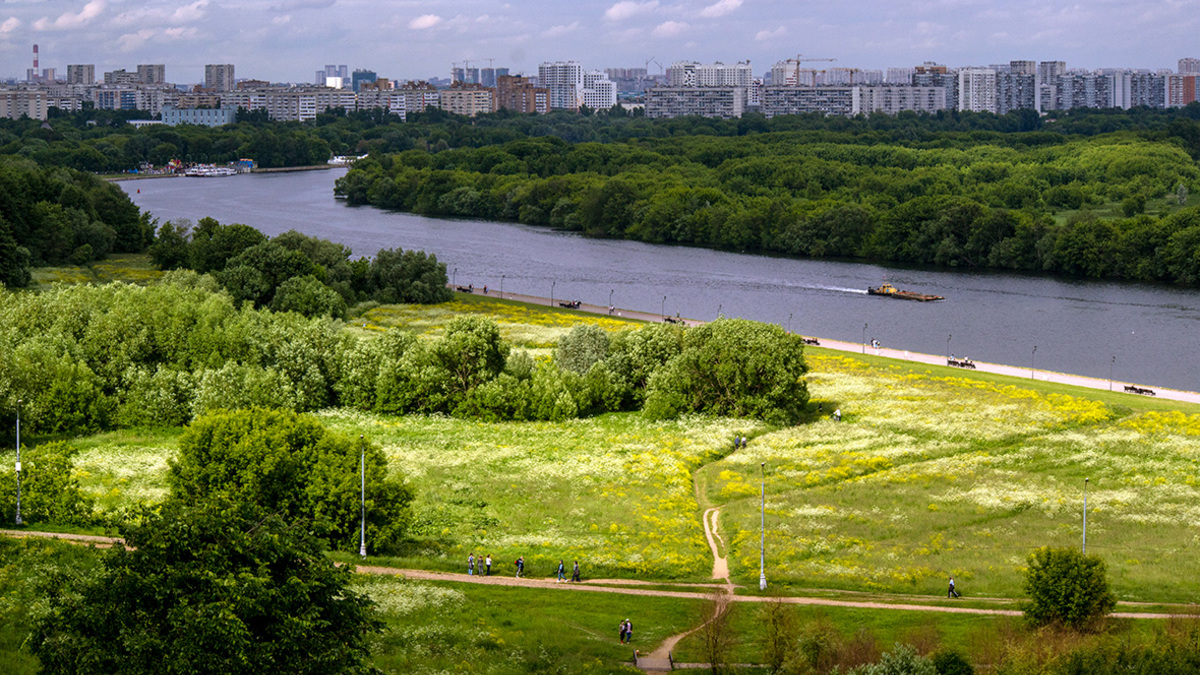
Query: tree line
x,y
52,216
88,358
1036,201
102,141
295,272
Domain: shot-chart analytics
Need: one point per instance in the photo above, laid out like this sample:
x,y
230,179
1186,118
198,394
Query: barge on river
x,y
891,291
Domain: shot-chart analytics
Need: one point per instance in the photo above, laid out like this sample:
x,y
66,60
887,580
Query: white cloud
x,y
669,29
555,31
192,12
293,5
627,9
425,21
720,8
10,24
67,20
282,19
145,16
763,35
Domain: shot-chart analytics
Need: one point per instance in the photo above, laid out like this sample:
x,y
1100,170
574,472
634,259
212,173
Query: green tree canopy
x,y
1067,587
209,588
288,464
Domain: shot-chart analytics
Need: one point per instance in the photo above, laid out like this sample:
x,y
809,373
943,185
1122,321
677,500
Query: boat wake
x,y
840,289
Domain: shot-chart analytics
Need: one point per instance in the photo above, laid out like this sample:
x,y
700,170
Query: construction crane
x,y
800,58
654,61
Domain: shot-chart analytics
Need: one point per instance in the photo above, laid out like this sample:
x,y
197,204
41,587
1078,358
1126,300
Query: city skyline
x,y
286,40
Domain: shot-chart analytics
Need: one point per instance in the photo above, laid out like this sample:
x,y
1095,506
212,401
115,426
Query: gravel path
x,y
606,585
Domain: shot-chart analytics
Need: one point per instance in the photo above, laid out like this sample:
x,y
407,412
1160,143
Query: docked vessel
x,y
210,171
891,291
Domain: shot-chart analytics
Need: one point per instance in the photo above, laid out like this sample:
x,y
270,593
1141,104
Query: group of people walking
x,y
626,632
485,567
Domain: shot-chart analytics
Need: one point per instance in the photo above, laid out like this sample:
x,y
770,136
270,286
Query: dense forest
x,y
1035,200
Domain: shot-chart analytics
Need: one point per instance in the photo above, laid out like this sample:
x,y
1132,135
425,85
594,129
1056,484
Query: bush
x,y
1066,587
49,491
308,296
733,367
902,660
583,346
288,464
951,662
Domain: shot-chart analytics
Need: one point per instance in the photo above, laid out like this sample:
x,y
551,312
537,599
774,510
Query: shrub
x,y
951,662
583,346
1067,587
308,296
49,491
902,660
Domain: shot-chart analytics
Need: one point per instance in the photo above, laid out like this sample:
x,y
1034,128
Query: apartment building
x,y
564,82
17,103
787,100
468,99
153,73
725,102
83,73
517,93
599,92
892,99
977,89
219,77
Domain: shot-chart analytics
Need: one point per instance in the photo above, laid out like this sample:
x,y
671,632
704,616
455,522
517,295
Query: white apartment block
x,y
693,74
893,99
469,100
564,81
899,75
599,92
724,102
977,89
1189,66
16,103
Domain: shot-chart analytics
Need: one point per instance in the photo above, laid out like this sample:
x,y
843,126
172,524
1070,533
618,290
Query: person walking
x,y
520,566
488,564
561,572
622,630
628,631
471,564
575,574
953,593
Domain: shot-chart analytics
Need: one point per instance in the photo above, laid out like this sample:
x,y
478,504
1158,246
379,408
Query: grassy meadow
x,y
932,472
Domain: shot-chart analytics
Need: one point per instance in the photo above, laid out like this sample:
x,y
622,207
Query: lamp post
x,y
455,278
610,292
864,338
1032,355
501,286
362,468
762,544
1110,369
552,292
948,347
1085,484
663,310
789,323
18,461
719,306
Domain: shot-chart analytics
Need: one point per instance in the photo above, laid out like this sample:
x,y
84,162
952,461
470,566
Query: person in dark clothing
x,y
575,574
953,593
520,566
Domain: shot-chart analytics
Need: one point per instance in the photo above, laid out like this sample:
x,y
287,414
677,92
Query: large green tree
x,y
1068,587
211,588
288,464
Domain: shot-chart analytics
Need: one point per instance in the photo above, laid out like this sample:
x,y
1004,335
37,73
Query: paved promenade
x,y
905,355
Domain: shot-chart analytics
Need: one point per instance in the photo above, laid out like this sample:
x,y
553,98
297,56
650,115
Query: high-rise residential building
x,y
693,74
331,71
977,89
219,77
1082,90
465,74
120,76
1189,66
790,100
564,82
1181,90
487,76
1022,67
892,99
1016,90
359,76
154,73
1048,73
84,73
517,93
935,75
1147,89
599,92
899,75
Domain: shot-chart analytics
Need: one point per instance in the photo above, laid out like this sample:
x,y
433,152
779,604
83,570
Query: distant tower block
x,y
35,57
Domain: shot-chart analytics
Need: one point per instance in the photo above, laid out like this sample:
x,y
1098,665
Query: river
x,y
1136,333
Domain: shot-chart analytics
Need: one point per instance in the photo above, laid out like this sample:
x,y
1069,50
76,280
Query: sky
x,y
288,40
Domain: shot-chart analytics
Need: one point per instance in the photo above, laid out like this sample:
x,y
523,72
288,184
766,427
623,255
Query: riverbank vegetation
x,y
952,200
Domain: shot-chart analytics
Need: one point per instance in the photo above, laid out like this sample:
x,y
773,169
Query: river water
x,y
1076,326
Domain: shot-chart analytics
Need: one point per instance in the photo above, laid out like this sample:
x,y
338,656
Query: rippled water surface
x,y
1077,326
